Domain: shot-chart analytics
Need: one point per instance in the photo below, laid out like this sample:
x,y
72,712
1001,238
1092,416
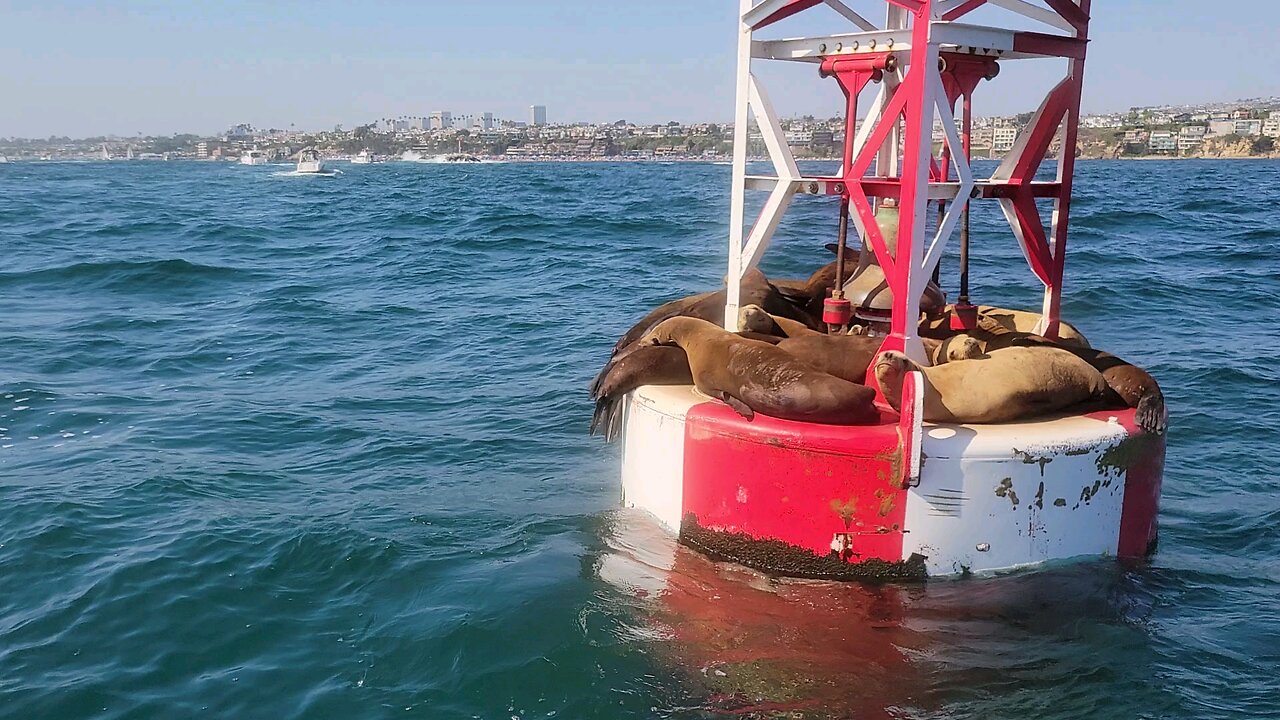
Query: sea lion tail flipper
x,y
738,406
607,418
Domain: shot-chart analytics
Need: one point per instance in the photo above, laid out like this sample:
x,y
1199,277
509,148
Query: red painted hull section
x,y
798,483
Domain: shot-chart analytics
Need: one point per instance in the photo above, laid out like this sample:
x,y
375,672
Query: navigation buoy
x,y
904,498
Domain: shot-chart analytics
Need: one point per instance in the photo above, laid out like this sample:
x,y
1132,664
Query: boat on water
x,y
128,153
309,163
459,158
364,157
253,157
3,159
106,154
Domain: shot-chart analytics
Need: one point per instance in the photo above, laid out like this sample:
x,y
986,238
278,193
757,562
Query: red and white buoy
x,y
903,498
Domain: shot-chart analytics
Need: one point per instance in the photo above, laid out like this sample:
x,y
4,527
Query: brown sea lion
x,y
752,376
994,319
848,356
844,356
753,318
1128,385
755,290
642,365
1023,321
1009,384
636,366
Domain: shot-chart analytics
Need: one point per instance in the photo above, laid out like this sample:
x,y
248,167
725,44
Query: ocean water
x,y
282,447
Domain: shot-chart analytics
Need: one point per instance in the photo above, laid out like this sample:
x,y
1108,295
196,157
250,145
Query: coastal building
x,y
1191,137
441,120
484,121
1162,141
1003,138
537,115
1222,127
798,138
1248,128
202,151
1271,126
1135,137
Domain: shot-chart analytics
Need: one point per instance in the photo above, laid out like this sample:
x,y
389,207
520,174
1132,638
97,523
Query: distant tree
x,y
1264,145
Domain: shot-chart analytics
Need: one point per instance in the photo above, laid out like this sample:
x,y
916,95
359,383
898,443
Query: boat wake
x,y
295,173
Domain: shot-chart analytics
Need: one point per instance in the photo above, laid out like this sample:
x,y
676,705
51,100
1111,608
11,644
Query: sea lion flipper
x,y
738,406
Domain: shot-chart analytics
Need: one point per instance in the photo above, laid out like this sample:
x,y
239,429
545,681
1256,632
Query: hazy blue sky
x,y
150,66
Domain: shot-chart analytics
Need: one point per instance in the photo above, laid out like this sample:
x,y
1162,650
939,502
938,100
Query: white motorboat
x,y
364,157
253,157
309,163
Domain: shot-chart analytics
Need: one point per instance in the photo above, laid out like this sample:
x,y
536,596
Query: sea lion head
x,y
674,331
957,347
753,318
891,370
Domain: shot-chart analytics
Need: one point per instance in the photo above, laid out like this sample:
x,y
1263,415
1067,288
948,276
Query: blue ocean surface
x,y
287,447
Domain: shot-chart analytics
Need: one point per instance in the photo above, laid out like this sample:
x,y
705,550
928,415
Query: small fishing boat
x,y
364,157
253,157
309,163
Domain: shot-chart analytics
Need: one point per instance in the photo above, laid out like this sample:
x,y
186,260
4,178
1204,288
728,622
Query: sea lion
x,y
848,356
1128,385
1008,384
636,366
641,365
995,319
755,289
752,376
753,318
1023,321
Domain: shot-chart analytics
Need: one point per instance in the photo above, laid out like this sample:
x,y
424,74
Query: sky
x,y
161,67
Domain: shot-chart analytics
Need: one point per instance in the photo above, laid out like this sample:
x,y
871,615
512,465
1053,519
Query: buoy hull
x,y
831,502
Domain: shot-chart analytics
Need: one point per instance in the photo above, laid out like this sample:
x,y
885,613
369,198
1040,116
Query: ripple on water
x,y
295,449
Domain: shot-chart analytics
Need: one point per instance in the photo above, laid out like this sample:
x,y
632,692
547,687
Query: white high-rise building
x,y
441,120
537,115
485,121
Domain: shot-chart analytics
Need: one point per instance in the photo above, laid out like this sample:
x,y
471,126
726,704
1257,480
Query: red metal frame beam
x,y
964,9
786,11
1035,43
1070,12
